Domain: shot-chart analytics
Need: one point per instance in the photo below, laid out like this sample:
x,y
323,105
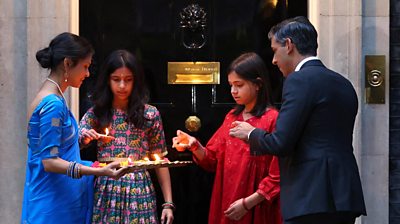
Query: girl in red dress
x,y
246,188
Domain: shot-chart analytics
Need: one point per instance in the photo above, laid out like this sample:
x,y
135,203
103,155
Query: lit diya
x,y
106,133
105,137
181,145
146,163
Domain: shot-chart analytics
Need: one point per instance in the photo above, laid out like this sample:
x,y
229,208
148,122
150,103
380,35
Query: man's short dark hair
x,y
300,31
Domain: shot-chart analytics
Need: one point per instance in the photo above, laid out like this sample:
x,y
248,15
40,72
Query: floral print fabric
x,y
131,199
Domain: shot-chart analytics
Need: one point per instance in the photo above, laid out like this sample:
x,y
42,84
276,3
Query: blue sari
x,y
51,197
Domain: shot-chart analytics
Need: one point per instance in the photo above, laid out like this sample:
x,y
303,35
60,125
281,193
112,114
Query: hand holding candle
x,y
106,133
105,137
88,135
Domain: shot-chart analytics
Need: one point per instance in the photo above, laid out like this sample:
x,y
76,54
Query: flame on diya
x,y
145,163
130,161
106,131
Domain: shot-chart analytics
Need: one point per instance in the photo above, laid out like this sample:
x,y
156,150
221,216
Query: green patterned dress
x,y
131,199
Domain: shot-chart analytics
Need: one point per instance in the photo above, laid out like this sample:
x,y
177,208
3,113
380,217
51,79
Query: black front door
x,y
150,30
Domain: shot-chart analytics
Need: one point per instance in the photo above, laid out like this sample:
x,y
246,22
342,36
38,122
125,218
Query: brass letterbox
x,y
193,72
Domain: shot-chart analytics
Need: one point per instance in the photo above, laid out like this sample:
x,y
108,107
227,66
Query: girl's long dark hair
x,y
103,96
250,66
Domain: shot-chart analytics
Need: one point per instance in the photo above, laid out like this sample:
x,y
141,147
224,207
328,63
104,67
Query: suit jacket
x,y
313,139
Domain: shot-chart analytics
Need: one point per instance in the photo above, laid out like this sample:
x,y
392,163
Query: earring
x,y
66,77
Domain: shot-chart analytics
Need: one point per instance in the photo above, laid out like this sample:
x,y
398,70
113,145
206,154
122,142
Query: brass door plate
x,y
193,72
375,79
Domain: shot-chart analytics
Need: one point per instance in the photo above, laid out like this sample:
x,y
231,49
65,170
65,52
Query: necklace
x,y
59,89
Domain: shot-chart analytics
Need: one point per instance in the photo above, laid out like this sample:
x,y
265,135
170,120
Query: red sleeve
x,y
210,160
269,186
215,147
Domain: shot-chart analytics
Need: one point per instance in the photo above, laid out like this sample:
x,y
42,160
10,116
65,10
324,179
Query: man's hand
x,y
241,130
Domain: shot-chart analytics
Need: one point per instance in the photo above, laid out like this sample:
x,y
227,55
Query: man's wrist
x,y
248,135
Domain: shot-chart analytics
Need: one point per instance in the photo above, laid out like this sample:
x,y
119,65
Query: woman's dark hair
x,y
64,45
300,31
250,66
103,96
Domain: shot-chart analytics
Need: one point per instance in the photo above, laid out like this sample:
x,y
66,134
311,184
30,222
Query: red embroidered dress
x,y
238,174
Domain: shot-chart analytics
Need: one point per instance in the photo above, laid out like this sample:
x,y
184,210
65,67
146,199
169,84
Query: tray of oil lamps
x,y
144,164
154,164
111,159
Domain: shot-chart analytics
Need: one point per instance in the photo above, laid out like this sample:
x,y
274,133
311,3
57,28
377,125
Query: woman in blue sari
x,y
59,185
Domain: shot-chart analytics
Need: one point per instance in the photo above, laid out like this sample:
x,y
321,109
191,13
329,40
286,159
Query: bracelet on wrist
x,y
168,205
74,170
244,205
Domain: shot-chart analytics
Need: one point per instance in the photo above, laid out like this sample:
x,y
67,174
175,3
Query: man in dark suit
x,y
320,182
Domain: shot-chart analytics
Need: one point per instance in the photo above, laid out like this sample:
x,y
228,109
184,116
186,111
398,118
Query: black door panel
x,y
150,30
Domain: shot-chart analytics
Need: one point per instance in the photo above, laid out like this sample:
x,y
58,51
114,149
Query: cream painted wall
x,y
13,93
25,27
349,30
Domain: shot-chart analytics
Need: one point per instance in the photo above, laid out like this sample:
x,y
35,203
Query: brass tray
x,y
157,164
137,165
111,159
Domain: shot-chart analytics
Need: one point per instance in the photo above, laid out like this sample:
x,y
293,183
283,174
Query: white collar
x,y
304,61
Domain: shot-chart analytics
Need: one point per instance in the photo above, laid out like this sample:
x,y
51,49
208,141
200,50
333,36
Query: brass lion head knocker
x,y
193,24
